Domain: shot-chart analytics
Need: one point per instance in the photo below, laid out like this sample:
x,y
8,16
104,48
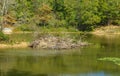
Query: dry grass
x,y
107,30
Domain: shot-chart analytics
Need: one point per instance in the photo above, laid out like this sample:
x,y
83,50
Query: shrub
x,y
24,28
3,37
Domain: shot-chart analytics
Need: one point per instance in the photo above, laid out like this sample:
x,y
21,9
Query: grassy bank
x,y
17,40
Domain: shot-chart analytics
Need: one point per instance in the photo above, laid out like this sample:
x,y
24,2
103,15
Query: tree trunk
x,y
109,22
3,13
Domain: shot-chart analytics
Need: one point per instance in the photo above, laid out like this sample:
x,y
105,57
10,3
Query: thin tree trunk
x,y
109,22
3,13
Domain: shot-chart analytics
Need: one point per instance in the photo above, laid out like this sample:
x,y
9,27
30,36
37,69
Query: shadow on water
x,y
74,62
22,73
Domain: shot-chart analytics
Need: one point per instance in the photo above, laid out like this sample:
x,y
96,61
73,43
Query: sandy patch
x,y
19,45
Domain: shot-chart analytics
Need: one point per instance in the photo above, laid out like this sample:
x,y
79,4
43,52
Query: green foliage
x,y
81,14
110,11
3,37
87,14
24,28
44,15
57,30
111,59
59,9
116,22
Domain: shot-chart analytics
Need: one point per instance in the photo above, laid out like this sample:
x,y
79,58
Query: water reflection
x,y
75,62
22,73
88,74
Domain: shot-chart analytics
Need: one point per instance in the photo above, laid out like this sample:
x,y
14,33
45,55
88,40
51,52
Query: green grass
x,y
19,37
44,29
59,29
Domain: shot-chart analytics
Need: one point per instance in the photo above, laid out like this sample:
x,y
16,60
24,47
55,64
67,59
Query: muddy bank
x,y
54,42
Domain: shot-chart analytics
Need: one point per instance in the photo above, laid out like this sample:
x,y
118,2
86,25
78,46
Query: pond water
x,y
75,62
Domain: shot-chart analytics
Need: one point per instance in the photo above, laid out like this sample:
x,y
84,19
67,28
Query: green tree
x,y
59,9
44,15
87,14
109,11
24,10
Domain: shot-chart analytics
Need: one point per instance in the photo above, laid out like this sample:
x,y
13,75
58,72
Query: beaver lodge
x,y
54,42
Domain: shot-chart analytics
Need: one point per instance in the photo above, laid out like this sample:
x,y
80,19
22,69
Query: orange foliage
x,y
9,20
44,13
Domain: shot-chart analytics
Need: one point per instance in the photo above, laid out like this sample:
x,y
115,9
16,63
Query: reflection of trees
x,y
22,73
6,63
36,64
26,60
110,44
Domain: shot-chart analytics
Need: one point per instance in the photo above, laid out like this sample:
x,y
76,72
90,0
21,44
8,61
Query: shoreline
x,y
17,45
107,31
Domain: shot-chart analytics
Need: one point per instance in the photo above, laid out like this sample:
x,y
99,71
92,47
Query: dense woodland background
x,y
84,15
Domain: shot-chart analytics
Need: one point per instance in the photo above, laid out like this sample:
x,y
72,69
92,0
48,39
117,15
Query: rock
x,y
34,44
7,30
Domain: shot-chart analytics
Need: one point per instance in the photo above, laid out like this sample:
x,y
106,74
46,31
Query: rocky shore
x,y
54,42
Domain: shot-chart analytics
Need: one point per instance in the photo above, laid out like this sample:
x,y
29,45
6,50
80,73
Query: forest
x,y
83,15
59,37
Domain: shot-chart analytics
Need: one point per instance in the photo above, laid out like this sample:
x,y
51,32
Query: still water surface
x,y
75,62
